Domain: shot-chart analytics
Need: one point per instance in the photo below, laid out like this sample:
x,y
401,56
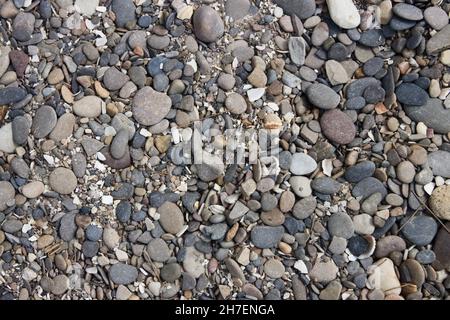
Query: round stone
x,y
302,164
301,186
208,25
150,107
406,172
420,230
436,17
63,180
274,268
121,273
33,189
359,171
7,194
337,126
43,122
89,107
158,250
440,202
408,12
236,103
60,284
304,208
411,94
322,96
341,225
170,272
171,217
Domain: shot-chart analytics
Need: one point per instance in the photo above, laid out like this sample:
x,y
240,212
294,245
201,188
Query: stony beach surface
x,y
99,101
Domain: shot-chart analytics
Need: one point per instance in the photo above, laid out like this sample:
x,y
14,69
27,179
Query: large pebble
x,y
440,202
89,107
150,106
208,25
344,13
337,126
266,237
301,8
43,122
121,273
420,230
322,96
302,164
124,11
63,180
171,217
7,194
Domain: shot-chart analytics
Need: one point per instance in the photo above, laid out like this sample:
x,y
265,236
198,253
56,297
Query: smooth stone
x,y
372,66
439,162
337,126
64,127
43,122
7,194
301,186
336,73
324,270
150,107
272,218
33,189
60,285
322,96
89,107
235,103
119,144
359,171
357,87
158,250
302,164
344,13
412,272
4,59
320,34
341,225
265,237
440,202
124,11
389,244
420,230
436,17
408,11
372,38
171,218
90,249
325,185
67,227
121,273
441,246
7,144
363,224
367,187
23,26
384,277
20,129
425,257
123,211
439,42
87,7
301,8
63,180
93,232
193,262
405,172
297,50
304,208
211,167
170,272
358,245
411,94
207,23
20,167
432,114
10,95
113,79
370,205
399,24
274,268
111,238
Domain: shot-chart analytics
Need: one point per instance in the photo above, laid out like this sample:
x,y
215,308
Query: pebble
x,y
63,180
7,139
266,237
171,218
324,270
119,144
63,128
336,73
384,278
344,13
322,96
337,126
439,202
43,122
208,25
406,172
274,268
411,94
33,189
389,244
440,41
302,164
341,225
325,185
302,8
124,11
420,230
113,79
150,107
432,114
236,103
359,171
438,161
10,95
441,247
297,51
368,186
301,186
89,107
237,9
436,17
23,26
408,12
7,194
121,273
304,207
67,227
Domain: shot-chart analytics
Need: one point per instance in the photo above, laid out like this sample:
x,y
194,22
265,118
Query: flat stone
x,y
357,87
20,129
389,244
150,107
359,171
171,218
325,185
324,270
372,38
121,273
33,189
10,95
411,94
302,164
341,225
408,11
60,284
337,126
368,186
67,227
20,167
433,114
332,291
89,107
114,79
297,50
336,73
239,210
420,230
436,17
442,246
439,162
7,144
266,237
124,11
208,25
63,180
119,144
193,262
7,194
64,127
43,122
301,8
440,41
304,207
237,9
322,96
236,103
211,167
344,13
301,186
384,277
158,250
23,26
274,268
405,172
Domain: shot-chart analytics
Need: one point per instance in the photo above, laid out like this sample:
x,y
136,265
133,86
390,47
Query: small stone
x,y
114,79
297,47
301,8
301,186
171,218
302,164
237,9
67,227
43,122
257,78
87,7
23,26
383,277
406,172
322,96
63,180
10,95
367,187
420,230
363,224
332,291
7,194
436,17
324,270
119,144
325,185
266,237
7,144
20,129
208,25
150,106
359,171
439,162
89,107
341,225
440,202
440,41
304,208
193,262
236,103
408,12
60,284
336,72
389,244
121,273
124,11
337,126
411,94
33,189
111,238
344,13
274,268
64,127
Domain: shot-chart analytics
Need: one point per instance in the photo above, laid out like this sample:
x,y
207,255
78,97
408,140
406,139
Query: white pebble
x,y
108,200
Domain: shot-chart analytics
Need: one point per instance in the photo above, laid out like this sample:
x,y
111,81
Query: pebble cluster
x,y
98,97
